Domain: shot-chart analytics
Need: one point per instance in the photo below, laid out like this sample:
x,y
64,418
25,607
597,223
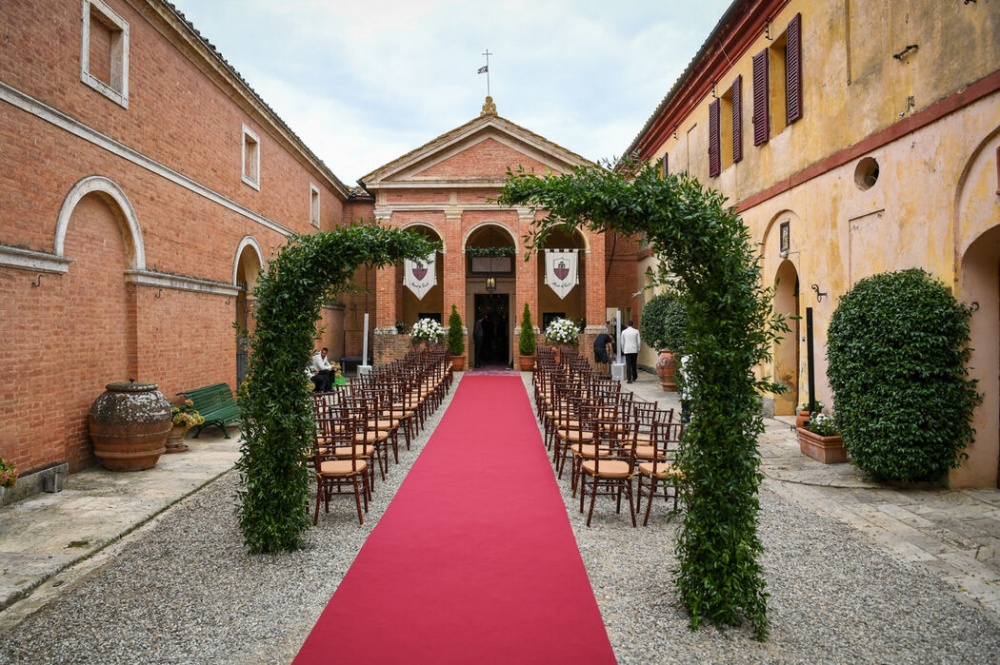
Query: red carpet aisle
x,y
474,561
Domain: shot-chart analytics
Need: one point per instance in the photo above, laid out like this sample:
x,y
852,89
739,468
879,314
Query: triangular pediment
x,y
479,152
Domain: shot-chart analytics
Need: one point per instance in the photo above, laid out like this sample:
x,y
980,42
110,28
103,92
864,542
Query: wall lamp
x,y
491,284
819,294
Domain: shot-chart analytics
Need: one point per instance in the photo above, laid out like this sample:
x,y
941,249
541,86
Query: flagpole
x,y
486,70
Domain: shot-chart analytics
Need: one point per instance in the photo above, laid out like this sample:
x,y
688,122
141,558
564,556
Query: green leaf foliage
x,y
277,413
729,332
526,344
664,322
456,336
897,349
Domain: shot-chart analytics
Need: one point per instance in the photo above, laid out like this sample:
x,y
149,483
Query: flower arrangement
x,y
819,407
8,473
822,425
427,330
562,331
185,415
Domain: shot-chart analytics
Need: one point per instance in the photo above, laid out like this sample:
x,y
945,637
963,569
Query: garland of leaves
x,y
730,331
490,252
276,410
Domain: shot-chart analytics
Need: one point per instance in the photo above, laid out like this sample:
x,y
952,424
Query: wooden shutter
x,y
665,165
737,96
793,70
714,163
761,118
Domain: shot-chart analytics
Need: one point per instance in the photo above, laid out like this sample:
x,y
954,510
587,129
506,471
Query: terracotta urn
x,y
128,425
458,363
526,363
666,369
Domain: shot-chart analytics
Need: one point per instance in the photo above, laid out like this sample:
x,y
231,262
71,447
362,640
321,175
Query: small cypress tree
x,y
526,344
456,336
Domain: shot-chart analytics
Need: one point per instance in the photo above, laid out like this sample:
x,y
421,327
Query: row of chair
x,y
610,439
358,424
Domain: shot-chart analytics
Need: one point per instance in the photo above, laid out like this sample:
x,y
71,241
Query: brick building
x,y
144,185
446,190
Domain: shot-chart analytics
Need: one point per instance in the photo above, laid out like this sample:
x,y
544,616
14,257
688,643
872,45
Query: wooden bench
x,y
216,405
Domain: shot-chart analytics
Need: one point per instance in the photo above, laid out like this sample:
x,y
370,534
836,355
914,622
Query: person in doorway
x,y
321,372
630,343
477,338
602,352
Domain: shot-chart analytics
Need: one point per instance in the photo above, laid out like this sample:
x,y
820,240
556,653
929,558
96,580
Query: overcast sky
x,y
364,82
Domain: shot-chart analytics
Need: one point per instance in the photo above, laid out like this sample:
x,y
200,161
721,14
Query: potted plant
x,y
561,333
820,440
664,327
182,418
526,342
427,331
8,476
803,413
456,340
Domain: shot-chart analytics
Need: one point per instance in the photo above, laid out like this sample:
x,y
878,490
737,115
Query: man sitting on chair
x,y
321,372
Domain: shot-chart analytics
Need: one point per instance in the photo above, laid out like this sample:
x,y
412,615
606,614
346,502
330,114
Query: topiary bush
x,y
526,344
897,349
664,323
456,336
277,413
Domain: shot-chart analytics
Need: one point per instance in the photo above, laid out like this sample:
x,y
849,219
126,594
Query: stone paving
x,y
50,540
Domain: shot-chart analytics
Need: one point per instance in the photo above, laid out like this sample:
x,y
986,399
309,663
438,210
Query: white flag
x,y
561,272
420,276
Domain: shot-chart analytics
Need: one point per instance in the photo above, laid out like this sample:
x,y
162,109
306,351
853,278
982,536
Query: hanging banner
x,y
561,271
420,276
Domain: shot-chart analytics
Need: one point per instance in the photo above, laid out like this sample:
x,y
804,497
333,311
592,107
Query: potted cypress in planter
x,y
526,342
456,340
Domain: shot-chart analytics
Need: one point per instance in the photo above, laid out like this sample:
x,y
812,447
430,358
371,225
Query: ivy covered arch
x,y
278,423
730,331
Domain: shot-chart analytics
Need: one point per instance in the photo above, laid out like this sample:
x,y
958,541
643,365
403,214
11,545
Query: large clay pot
x,y
129,423
526,363
666,369
458,363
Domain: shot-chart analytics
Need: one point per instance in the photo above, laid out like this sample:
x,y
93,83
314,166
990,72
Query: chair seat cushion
x,y
647,453
341,468
589,450
612,469
663,471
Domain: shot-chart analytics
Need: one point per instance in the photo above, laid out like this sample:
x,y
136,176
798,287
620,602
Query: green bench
x,y
215,404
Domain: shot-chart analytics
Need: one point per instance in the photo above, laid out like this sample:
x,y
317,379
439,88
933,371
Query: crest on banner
x,y
561,272
420,276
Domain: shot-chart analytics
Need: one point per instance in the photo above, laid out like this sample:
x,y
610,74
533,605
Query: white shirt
x,y
319,363
630,341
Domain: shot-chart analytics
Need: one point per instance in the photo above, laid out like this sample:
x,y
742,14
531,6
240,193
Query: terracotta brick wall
x,y
75,332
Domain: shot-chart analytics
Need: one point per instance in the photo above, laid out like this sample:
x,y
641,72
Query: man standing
x,y
630,344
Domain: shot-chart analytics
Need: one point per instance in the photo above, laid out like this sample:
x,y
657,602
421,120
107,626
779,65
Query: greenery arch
x,y
730,330
277,414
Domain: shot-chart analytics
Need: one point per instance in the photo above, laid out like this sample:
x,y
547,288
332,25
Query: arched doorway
x,y
491,287
980,288
786,349
429,303
573,304
248,267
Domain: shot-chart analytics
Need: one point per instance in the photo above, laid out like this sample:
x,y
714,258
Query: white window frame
x,y
251,145
117,91
314,206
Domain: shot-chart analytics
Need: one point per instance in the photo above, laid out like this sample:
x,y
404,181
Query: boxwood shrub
x,y
897,351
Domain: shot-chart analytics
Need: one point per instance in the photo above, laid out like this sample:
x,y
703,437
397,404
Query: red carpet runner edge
x,y
474,560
